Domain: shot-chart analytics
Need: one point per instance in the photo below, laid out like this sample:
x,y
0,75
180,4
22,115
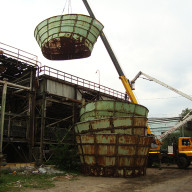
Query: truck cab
x,y
184,152
185,146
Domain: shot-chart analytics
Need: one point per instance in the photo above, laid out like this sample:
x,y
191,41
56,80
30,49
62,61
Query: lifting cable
x,y
69,6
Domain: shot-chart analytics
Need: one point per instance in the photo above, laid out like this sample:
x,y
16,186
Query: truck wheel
x,y
182,162
149,163
188,163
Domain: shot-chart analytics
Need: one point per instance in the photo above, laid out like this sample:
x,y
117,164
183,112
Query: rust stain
x,y
118,155
126,162
87,138
127,150
139,131
143,150
140,121
88,149
140,161
64,48
106,161
105,138
90,160
128,139
106,150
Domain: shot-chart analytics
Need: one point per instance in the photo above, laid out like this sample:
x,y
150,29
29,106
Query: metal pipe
x,y
66,118
4,94
15,85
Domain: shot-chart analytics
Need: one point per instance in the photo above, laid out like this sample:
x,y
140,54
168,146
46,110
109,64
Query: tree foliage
x,y
65,157
184,112
175,135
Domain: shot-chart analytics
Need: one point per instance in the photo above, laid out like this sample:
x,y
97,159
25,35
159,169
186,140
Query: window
x,y
186,142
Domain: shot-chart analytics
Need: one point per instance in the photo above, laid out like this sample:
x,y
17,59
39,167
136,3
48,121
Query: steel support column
x,y
4,94
43,116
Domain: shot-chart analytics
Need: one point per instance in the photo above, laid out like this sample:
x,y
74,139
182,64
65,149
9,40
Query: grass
x,y
18,182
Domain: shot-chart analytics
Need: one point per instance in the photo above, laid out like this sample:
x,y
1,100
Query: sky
x,y
152,36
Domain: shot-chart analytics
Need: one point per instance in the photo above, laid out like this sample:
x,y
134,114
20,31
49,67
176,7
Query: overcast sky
x,y
153,36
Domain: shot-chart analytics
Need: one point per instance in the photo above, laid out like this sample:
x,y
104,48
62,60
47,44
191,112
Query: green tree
x,y
184,112
170,138
175,135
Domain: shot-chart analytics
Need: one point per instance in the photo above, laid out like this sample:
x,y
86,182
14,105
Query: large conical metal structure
x,y
70,36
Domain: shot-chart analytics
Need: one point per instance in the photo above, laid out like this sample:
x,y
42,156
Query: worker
x,y
126,96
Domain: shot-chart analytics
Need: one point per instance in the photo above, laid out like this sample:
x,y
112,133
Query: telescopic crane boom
x,y
187,118
124,80
161,83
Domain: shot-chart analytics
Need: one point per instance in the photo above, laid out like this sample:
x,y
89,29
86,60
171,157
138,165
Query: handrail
x,y
19,54
32,59
45,70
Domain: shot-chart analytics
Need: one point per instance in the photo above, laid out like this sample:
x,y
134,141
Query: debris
x,y
42,170
62,178
14,173
35,172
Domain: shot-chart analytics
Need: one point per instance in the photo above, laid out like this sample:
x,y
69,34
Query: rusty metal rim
x,y
114,118
140,145
98,111
127,168
112,130
112,171
111,127
117,134
128,156
125,102
70,19
62,16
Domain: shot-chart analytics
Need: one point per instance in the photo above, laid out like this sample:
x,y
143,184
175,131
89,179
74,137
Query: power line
x,y
161,98
163,120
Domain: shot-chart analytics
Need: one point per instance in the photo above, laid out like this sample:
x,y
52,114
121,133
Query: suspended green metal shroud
x,y
70,36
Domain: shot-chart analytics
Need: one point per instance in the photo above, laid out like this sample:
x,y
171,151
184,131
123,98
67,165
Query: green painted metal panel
x,y
125,150
113,138
108,108
106,161
68,36
125,125
119,155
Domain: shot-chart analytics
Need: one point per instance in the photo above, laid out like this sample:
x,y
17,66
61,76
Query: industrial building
x,y
40,104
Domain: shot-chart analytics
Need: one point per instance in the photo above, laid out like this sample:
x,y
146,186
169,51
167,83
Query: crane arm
x,y
124,80
161,83
185,119
176,127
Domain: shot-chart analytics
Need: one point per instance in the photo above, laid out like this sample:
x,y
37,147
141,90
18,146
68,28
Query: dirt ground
x,y
167,179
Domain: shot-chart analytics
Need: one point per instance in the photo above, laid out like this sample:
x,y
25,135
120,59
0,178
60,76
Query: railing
x,y
31,59
19,54
80,81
